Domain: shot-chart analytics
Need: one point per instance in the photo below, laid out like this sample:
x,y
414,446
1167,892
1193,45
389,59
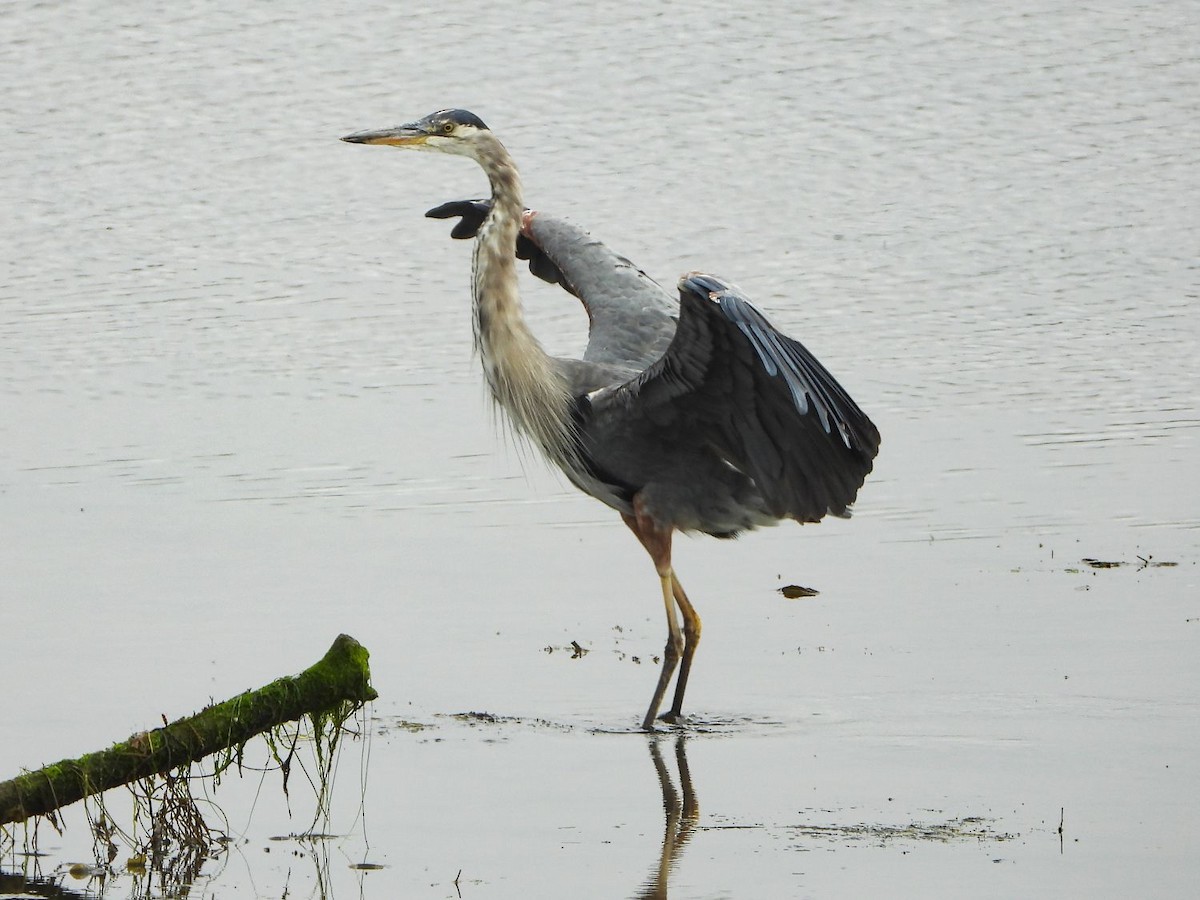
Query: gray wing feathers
x,y
807,380
758,399
632,317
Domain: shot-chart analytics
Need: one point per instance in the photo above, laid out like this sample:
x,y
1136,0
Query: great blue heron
x,y
689,416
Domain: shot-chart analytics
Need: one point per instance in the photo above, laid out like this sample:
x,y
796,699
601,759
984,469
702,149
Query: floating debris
x,y
577,650
795,591
1144,562
487,718
400,724
968,828
1148,562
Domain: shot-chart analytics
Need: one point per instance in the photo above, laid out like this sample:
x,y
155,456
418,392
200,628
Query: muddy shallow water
x,y
240,416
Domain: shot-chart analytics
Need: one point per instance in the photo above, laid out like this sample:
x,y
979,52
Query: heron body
x,y
694,415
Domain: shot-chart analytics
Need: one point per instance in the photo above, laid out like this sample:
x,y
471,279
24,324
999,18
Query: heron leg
x,y
671,654
657,541
691,635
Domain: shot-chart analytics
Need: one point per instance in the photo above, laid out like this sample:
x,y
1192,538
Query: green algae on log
x,y
341,677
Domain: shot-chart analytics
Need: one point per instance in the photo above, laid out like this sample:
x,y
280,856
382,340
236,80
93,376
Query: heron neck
x,y
521,375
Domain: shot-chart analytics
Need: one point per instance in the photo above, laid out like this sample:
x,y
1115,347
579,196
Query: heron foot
x,y
674,718
678,720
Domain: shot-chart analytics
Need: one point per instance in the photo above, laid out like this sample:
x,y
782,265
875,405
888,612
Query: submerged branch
x,y
341,677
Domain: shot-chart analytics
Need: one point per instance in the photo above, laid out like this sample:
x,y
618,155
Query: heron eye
x,y
448,128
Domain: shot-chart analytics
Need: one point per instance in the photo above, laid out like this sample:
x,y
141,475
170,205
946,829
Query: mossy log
x,y
341,677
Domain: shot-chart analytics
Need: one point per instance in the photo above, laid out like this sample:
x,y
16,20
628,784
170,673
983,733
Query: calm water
x,y
239,414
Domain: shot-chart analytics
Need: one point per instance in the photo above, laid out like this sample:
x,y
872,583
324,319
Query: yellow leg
x,y
657,541
671,653
691,634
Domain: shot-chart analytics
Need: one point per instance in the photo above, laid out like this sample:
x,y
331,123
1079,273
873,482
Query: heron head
x,y
445,131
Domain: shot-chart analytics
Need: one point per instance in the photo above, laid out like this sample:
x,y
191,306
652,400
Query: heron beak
x,y
411,135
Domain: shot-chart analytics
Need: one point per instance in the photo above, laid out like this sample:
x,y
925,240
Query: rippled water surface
x,y
240,415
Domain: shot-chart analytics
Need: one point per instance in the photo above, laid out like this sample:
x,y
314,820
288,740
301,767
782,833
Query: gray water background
x,y
239,414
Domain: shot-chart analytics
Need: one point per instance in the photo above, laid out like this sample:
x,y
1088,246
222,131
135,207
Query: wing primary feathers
x,y
810,384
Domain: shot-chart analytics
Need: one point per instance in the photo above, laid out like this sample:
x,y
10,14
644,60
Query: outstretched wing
x,y
757,398
632,319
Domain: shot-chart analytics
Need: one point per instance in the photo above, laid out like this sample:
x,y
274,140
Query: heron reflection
x,y
681,811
